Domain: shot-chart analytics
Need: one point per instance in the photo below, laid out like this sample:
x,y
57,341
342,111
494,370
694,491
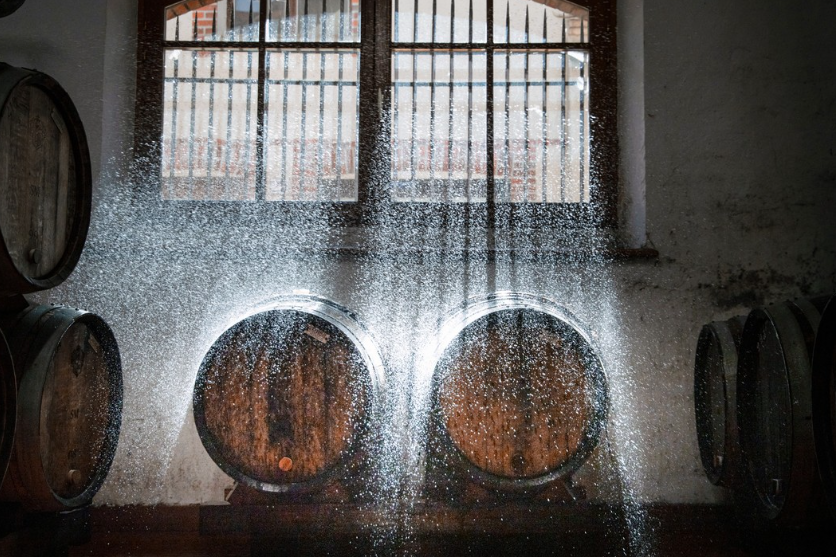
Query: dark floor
x,y
328,530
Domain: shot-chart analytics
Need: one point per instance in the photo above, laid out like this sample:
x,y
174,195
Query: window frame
x,y
375,93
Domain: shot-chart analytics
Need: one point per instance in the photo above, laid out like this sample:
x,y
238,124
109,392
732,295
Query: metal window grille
x,y
261,101
459,93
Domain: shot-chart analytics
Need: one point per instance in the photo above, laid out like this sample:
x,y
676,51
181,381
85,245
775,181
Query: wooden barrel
x,y
45,182
69,398
8,411
519,394
775,411
824,402
715,399
282,398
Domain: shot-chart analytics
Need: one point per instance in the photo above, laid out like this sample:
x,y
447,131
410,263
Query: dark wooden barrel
x,y
519,394
45,182
69,398
8,7
282,398
8,411
824,402
774,414
715,399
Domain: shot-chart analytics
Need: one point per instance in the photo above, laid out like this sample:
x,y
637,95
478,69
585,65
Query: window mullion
x,y
490,200
370,125
260,188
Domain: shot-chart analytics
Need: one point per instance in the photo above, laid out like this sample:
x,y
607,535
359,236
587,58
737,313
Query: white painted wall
x,y
734,116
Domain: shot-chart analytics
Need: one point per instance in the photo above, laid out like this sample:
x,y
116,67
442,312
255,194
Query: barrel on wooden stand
x,y
69,406
824,402
715,400
774,388
45,182
8,410
519,394
283,397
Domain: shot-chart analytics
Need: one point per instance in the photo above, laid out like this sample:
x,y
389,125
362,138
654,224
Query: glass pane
x,y
212,20
439,21
439,125
555,21
209,124
311,99
324,21
541,126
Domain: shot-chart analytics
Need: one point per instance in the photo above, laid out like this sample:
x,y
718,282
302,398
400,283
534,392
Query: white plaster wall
x,y
735,117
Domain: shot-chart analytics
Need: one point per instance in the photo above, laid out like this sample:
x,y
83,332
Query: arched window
x,y
350,103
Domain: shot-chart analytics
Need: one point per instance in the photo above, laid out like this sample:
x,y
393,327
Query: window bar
x,y
450,107
265,16
250,23
470,102
338,171
175,93
582,132
285,31
304,112
339,33
526,143
489,146
210,141
192,120
545,112
261,102
248,119
433,38
319,151
396,158
564,144
507,153
230,17
323,20
228,154
413,184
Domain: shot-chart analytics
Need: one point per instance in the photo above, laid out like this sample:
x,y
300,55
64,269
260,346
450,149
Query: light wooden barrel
x,y
715,400
824,402
282,399
69,406
45,182
774,388
519,393
8,411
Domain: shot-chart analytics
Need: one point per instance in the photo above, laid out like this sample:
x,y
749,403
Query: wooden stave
x,y
345,322
8,397
455,324
14,281
726,336
792,322
824,402
35,333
